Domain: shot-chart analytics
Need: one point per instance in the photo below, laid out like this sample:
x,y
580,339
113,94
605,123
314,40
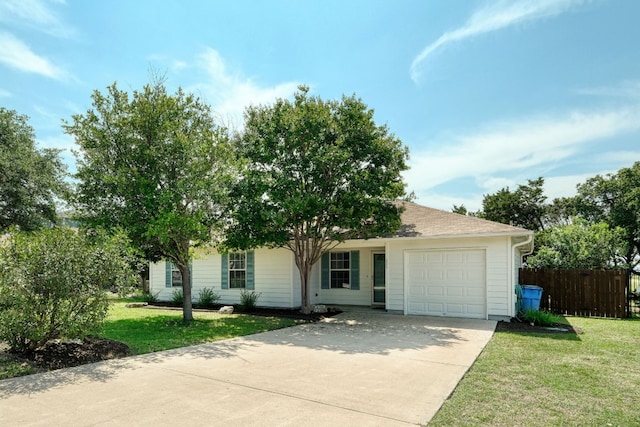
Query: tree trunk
x,y
187,308
305,272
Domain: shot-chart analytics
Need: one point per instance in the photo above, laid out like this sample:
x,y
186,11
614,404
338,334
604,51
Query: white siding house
x,y
438,264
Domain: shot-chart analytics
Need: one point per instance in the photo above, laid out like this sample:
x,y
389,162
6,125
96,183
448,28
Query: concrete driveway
x,y
358,368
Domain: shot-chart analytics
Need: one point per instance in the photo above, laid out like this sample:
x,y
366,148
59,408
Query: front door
x,y
378,279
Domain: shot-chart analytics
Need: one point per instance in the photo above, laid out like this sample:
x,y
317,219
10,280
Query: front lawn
x,y
559,379
147,330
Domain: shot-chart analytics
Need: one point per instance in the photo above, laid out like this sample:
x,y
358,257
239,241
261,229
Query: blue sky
x,y
485,94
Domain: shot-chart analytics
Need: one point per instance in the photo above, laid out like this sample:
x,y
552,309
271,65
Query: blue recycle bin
x,y
531,296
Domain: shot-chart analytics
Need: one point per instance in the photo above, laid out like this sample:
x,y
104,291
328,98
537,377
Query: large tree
x,y
580,245
316,173
30,178
525,207
615,199
157,165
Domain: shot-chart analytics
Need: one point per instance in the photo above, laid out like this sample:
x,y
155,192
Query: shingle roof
x,y
421,221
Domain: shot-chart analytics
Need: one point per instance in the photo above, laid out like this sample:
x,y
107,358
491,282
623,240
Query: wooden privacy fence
x,y
600,293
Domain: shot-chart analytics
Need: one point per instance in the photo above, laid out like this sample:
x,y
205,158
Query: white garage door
x,y
446,283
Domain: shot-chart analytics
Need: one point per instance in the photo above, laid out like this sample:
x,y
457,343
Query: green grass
x,y
524,379
10,368
147,330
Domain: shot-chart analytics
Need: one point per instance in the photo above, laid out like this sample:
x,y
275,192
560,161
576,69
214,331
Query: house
x,y
438,264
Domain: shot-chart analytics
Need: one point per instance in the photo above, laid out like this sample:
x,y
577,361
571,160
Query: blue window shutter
x,y
224,283
355,270
324,270
251,282
168,280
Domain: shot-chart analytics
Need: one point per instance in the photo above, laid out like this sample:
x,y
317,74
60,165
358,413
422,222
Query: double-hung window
x,y
340,268
176,276
237,270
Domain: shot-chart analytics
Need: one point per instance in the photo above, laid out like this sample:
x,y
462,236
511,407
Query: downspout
x,y
513,267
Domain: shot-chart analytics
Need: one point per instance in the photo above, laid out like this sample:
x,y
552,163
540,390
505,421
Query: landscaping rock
x,y
320,309
136,304
227,309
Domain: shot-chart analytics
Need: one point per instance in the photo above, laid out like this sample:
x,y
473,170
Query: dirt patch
x,y
516,326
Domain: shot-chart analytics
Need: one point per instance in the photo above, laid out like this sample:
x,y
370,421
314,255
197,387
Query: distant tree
x,y
30,178
317,173
615,199
54,282
525,207
156,165
579,245
462,210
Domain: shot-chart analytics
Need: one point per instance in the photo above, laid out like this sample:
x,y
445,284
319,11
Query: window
x,y
340,270
237,270
176,276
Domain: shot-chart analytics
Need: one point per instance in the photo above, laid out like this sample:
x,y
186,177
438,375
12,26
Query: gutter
x,y
513,269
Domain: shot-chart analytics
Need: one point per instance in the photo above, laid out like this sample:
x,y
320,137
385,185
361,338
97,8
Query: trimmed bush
x,y
54,282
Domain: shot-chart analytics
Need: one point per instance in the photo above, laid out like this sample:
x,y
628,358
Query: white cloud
x,y
16,54
495,16
626,89
35,14
230,92
513,147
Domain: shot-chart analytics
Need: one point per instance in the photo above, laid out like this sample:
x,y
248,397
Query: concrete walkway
x,y
358,368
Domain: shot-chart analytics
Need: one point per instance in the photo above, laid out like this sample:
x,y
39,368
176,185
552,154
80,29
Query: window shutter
x,y
355,270
324,270
168,281
224,283
250,284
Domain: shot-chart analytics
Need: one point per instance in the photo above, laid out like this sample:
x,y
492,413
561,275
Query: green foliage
x,y
208,297
156,165
317,172
525,207
580,245
615,199
30,179
177,298
540,318
248,300
53,284
150,297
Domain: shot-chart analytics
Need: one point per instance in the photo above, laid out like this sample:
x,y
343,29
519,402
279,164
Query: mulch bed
x,y
526,327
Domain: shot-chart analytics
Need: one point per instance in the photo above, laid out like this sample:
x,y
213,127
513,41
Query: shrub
x,y
248,300
150,297
540,318
177,298
53,284
207,297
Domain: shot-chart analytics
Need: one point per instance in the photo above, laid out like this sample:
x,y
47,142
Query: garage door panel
x,y
447,283
456,291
